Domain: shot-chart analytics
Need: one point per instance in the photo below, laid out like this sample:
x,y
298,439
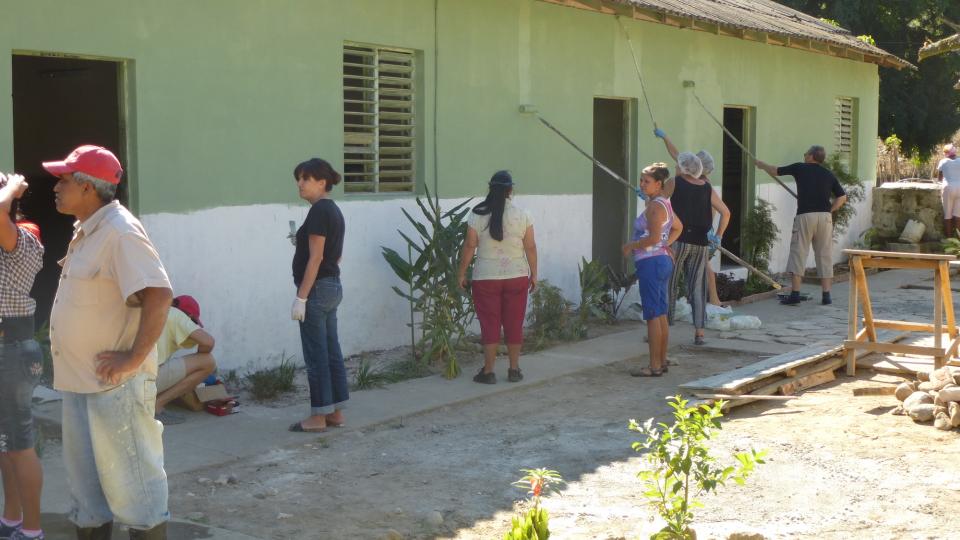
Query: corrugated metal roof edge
x,y
870,54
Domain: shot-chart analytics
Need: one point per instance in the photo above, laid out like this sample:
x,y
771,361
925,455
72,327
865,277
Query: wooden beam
x,y
903,325
892,348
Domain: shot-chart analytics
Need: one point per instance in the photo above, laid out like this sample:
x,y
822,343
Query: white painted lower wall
x,y
236,262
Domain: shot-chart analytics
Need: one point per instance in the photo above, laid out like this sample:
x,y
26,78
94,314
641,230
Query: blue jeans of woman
x,y
20,369
326,374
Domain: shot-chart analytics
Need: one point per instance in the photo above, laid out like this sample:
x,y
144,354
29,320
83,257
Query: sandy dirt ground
x,y
838,467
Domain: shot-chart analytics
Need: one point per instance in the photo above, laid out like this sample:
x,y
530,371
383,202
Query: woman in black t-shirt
x,y
316,273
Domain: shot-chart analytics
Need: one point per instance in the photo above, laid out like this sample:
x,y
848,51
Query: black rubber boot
x,y
103,532
157,533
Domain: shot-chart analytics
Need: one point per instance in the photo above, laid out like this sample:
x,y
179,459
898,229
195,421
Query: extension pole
x,y
689,84
773,283
636,64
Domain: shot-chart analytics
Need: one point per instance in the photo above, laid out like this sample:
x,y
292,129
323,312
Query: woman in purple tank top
x,y
653,232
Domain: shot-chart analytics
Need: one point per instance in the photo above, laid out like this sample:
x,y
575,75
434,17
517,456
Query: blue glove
x,y
713,239
641,194
659,133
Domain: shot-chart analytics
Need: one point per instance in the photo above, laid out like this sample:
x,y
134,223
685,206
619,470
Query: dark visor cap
x,y
501,178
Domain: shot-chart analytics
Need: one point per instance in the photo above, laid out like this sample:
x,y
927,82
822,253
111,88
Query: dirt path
x,y
839,467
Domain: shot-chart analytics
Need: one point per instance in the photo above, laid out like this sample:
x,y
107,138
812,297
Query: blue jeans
x,y
113,455
20,369
321,348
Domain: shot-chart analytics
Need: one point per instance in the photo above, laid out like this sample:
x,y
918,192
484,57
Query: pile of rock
x,y
934,397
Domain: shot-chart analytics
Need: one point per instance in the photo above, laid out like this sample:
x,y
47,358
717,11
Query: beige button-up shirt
x,y
109,260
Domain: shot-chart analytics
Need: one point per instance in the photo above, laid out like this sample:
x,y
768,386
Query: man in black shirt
x,y
816,186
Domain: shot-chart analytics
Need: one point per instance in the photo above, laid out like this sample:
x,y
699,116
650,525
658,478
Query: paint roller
x,y
530,109
692,86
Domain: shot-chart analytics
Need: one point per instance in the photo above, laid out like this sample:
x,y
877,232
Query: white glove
x,y
299,310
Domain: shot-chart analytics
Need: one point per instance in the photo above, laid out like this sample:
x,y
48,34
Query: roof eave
x,y
809,44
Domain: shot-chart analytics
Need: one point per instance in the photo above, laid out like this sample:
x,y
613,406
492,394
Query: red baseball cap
x,y
190,306
96,161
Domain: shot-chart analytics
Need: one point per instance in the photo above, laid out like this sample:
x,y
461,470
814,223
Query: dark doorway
x,y
611,199
735,179
58,104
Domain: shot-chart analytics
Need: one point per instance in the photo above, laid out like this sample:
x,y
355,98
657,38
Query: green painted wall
x,y
227,95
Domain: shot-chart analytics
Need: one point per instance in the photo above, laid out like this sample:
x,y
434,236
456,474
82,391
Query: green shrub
x,y
680,464
268,383
758,235
855,193
551,316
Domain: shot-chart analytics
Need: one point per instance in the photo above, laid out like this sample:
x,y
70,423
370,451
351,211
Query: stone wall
x,y
896,202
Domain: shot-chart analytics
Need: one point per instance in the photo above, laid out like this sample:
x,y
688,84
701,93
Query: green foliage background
x,y
921,107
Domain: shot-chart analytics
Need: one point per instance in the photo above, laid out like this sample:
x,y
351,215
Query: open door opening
x,y
60,103
611,199
735,187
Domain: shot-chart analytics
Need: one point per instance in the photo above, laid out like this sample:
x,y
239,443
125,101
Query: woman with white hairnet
x,y
694,200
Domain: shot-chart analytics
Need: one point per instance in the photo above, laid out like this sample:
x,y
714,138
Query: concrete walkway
x,y
205,440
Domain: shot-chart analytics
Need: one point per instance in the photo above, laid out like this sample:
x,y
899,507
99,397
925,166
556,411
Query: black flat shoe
x,y
514,375
485,378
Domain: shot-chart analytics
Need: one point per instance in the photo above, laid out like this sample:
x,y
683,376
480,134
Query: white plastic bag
x,y
718,323
744,322
682,310
713,309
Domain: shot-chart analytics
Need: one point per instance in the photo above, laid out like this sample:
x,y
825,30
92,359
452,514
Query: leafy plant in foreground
x,y
680,464
533,525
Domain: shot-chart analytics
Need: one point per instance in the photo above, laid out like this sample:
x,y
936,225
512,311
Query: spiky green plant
x,y
431,279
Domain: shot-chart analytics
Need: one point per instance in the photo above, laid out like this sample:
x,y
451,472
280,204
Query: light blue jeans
x,y
113,454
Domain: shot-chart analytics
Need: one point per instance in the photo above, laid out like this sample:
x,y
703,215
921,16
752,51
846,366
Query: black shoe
x,y
157,533
791,300
485,378
514,375
825,299
103,532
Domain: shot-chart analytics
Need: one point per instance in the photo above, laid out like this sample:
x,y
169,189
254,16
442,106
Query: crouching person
x,y
178,376
110,309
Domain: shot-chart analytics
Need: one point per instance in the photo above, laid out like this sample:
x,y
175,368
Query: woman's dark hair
x,y
318,169
501,184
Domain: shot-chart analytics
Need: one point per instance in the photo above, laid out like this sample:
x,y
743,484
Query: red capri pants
x,y
501,302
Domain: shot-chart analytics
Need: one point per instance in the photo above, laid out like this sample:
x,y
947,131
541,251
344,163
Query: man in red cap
x,y
179,376
110,309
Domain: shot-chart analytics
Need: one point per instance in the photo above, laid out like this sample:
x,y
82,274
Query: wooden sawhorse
x,y
866,338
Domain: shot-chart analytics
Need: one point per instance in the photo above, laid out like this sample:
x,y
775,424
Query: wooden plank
x,y
892,348
769,389
730,380
903,325
899,263
725,383
900,255
947,292
864,293
728,397
802,383
898,365
852,323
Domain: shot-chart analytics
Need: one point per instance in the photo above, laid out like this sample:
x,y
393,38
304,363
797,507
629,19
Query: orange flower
x,y
536,486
